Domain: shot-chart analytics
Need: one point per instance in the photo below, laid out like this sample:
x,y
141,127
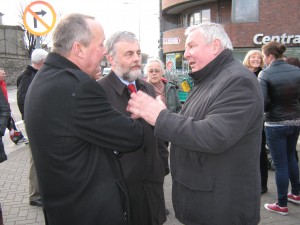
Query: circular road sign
x,y
39,18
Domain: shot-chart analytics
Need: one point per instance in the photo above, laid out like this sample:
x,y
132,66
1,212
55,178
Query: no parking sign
x,y
39,18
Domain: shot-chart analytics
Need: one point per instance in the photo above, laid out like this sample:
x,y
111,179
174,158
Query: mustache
x,y
137,65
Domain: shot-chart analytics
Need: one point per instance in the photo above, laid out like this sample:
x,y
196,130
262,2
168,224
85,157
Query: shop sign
x,y
171,41
260,39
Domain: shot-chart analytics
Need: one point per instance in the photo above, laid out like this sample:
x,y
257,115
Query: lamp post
x,y
139,8
160,51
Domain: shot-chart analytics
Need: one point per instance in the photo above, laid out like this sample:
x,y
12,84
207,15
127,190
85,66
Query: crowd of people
x,y
105,153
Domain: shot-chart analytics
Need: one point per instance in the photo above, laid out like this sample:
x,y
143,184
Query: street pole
x,y
139,21
38,42
160,51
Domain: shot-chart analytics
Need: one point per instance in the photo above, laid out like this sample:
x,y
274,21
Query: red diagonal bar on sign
x,y
38,18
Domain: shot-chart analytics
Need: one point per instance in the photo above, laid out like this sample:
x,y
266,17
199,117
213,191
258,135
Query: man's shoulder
x,y
144,86
109,81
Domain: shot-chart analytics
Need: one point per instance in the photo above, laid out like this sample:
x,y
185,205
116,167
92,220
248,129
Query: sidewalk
x,y
17,211
15,200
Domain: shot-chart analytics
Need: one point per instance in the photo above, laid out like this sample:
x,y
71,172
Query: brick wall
x,y
276,17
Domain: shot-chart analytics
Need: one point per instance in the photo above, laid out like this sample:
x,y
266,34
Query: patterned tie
x,y
131,88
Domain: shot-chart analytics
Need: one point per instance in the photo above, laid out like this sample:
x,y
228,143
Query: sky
x,y
138,16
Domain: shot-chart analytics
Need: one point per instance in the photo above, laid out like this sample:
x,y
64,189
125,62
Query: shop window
x,y
245,11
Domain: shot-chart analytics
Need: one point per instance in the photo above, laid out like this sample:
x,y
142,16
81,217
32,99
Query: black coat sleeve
x,y
23,85
4,113
96,121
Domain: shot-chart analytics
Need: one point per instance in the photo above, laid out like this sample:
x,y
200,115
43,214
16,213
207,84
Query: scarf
x,y
160,90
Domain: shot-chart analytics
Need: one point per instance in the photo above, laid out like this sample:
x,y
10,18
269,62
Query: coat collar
x,y
223,58
58,61
31,69
119,86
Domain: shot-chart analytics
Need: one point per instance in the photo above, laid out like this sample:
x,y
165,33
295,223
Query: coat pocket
x,y
194,172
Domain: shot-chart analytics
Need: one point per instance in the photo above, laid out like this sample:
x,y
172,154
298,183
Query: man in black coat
x,y
38,57
143,169
76,154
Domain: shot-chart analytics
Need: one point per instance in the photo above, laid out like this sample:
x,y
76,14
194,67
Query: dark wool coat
x,y
4,113
215,146
143,169
23,82
73,133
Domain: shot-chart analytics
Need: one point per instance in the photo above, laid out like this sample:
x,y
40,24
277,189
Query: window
x,y
205,15
198,17
245,11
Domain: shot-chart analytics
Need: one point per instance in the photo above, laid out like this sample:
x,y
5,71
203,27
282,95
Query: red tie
x,y
131,88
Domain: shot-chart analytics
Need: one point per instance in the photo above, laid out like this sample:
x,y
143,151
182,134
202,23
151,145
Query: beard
x,y
128,75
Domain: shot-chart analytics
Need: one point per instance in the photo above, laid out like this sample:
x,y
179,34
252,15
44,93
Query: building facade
x,y
249,24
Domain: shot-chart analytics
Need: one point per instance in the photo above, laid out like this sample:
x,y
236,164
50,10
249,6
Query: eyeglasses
x,y
155,70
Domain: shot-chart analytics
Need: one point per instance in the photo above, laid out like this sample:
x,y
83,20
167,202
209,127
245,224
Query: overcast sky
x,y
114,15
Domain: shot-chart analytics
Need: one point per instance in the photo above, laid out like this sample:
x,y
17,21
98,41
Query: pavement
x,y
14,196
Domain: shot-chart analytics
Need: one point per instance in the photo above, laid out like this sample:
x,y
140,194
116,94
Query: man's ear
x,y
110,59
217,47
77,49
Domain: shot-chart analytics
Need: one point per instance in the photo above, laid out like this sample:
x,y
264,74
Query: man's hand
x,y
146,107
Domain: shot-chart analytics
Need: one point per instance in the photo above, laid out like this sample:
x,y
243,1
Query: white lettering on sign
x,y
260,39
171,41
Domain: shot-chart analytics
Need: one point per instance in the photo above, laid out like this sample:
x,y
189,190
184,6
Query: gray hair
x,y
151,60
72,28
38,55
117,37
211,32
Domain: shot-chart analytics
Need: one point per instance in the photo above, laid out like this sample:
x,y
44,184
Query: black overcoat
x,y
23,82
143,169
73,133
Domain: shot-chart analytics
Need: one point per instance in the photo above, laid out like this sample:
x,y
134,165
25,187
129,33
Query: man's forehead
x,y
128,46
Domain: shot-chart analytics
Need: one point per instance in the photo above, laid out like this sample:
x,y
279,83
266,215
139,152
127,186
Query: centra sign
x,y
260,39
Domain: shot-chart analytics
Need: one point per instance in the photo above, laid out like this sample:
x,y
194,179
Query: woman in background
x,y
293,61
15,135
167,90
280,84
254,62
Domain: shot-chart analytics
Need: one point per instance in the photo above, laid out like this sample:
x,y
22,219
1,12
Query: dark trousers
x,y
263,162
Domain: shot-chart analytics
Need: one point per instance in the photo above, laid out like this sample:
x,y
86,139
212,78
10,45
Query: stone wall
x,y
13,55
13,68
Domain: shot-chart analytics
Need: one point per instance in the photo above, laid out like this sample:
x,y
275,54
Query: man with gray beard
x,y
143,169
